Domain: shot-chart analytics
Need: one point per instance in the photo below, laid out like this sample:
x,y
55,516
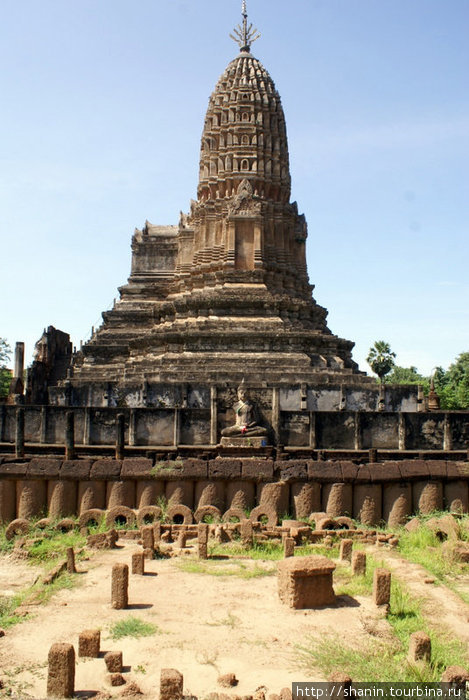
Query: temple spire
x,y
245,35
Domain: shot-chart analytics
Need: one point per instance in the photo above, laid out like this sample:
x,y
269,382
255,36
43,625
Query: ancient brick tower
x,y
225,294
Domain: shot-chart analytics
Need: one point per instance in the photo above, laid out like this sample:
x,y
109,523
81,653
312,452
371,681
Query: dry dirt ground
x,y
208,625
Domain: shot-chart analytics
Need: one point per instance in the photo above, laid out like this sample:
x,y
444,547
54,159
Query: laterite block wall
x,y
389,491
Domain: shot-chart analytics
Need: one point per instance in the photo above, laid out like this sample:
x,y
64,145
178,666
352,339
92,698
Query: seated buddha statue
x,y
246,424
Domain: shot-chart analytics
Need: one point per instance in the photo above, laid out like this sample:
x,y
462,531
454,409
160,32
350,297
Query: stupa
x,y
225,295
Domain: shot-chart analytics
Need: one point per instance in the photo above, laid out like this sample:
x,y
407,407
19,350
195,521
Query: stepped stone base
x,y
247,442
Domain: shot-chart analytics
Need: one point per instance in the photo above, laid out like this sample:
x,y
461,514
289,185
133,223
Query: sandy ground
x,y
209,625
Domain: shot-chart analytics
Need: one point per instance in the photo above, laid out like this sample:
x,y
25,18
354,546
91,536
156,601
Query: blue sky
x,y
102,108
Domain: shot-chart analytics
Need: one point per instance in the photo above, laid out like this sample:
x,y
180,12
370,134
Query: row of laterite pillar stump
x,y
369,503
303,583
61,668
61,658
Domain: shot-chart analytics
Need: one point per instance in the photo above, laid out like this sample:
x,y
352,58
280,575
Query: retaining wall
x,y
389,491
345,430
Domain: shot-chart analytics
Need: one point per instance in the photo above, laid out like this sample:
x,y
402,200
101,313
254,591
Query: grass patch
x,y
269,550
8,607
345,583
133,627
384,658
423,547
230,567
51,546
36,594
264,551
373,662
46,547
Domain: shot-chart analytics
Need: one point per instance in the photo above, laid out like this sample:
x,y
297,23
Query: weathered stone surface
x,y
445,527
420,648
227,680
413,469
246,532
437,468
171,684
337,499
257,469
113,661
120,586
116,679
17,527
179,514
306,582
138,563
89,642
381,586
240,494
147,493
456,676
345,550
349,471
224,468
456,551
324,471
397,503
46,468
61,671
13,469
293,470
180,493
148,537
306,498
367,503
274,495
386,472
195,468
288,547
61,498
363,474
457,470
31,498
427,496
108,469
264,513
91,494
209,493
456,496
358,563
76,469
7,500
136,468
120,493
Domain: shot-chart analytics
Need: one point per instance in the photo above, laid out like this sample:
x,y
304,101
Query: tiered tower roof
x,y
226,294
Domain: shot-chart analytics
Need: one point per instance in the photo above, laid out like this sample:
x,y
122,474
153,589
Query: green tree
x,y
5,375
407,375
381,359
452,386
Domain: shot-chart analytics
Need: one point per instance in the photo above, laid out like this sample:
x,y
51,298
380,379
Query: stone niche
x,y
306,582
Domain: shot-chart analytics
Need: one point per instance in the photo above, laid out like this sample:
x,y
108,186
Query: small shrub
x,y
133,627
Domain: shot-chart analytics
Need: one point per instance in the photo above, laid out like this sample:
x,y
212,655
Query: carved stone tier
x,y
225,294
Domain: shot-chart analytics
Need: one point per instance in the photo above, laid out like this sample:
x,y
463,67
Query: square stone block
x,y
306,582
247,442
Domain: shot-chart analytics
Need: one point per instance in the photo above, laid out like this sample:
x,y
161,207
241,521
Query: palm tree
x,y
381,359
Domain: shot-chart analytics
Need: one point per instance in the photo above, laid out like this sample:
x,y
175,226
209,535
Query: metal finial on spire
x,y
243,35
